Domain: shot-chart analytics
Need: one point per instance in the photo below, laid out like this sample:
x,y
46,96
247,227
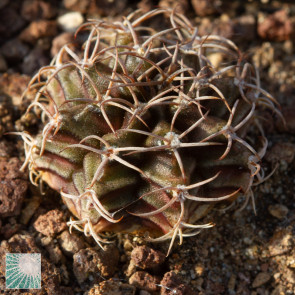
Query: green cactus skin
x,y
142,133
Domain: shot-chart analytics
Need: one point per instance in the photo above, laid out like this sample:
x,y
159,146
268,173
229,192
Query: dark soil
x,y
243,254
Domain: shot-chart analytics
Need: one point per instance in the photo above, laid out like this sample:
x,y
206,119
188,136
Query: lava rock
x,y
51,223
171,284
13,187
14,50
145,281
34,9
205,7
145,257
39,29
100,263
277,26
70,243
112,287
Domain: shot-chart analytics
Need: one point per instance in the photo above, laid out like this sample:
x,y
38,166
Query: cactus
x,y
142,133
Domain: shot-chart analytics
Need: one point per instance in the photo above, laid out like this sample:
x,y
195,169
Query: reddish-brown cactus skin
x,y
142,133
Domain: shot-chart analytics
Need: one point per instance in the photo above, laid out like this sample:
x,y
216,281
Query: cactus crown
x,y
142,132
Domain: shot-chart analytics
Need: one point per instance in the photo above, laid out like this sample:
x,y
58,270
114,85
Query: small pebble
x,y
145,257
112,287
180,6
280,243
70,243
30,209
144,280
232,282
3,64
14,50
276,27
11,22
261,279
70,21
51,223
172,283
282,151
100,264
39,29
279,211
77,5
204,7
36,9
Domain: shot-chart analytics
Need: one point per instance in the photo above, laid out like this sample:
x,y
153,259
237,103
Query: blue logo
x,y
23,271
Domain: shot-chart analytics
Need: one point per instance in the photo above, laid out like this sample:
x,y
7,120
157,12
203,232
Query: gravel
x,y
243,254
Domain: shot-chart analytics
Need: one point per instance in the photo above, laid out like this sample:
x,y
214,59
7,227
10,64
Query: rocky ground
x,y
243,254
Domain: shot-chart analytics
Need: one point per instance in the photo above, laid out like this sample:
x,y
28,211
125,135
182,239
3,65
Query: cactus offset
x,y
142,133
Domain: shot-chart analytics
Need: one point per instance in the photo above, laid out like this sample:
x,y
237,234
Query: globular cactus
x,y
142,133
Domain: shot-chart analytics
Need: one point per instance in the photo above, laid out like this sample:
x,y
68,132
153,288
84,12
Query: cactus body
x,y
142,133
